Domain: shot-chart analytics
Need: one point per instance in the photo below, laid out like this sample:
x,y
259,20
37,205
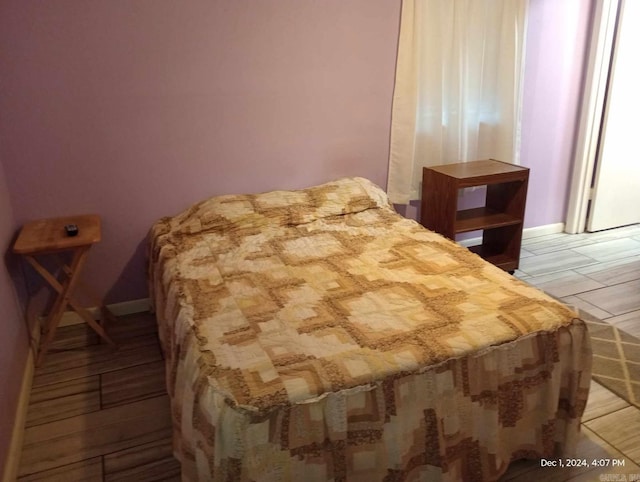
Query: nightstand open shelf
x,y
501,218
499,259
482,218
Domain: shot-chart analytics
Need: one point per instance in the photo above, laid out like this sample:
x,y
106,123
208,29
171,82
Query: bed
x,y
318,335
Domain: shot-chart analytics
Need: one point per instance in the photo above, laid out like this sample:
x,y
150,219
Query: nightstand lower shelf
x,y
501,260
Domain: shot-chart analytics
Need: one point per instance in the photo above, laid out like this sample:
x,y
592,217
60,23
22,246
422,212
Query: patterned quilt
x,y
318,335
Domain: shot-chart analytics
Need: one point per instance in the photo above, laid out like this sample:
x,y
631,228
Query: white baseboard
x,y
118,309
527,233
12,462
542,230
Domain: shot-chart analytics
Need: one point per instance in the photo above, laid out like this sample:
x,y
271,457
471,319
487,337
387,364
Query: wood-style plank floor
x,y
100,415
97,414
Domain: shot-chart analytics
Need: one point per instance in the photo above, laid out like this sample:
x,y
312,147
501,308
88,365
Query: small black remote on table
x,y
71,229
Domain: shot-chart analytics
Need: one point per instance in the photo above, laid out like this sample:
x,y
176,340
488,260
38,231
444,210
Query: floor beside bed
x,y
97,415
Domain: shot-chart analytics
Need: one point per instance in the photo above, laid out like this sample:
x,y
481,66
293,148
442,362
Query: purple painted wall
x,y
557,42
134,110
13,341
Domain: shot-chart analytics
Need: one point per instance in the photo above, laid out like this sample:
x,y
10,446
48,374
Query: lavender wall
x,y
13,341
134,110
557,42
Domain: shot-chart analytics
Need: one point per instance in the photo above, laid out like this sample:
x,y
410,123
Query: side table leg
x,y
91,322
105,313
79,258
51,324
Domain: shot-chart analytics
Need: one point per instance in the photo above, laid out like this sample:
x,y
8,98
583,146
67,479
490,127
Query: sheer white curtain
x,y
458,89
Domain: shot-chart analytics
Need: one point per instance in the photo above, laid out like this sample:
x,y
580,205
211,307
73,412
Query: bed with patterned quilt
x,y
317,335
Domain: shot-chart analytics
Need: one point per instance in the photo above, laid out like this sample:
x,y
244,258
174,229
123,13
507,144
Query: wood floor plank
x,y
532,244
620,429
62,400
96,359
564,283
617,299
525,254
83,471
554,262
562,241
81,335
148,462
85,436
610,250
592,310
133,383
614,272
164,470
629,322
74,336
520,275
602,402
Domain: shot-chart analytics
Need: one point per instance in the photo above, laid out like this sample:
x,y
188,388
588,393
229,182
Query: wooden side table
x,y
48,236
502,217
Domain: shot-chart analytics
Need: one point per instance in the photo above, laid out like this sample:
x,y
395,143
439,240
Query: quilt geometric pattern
x,y
295,300
318,335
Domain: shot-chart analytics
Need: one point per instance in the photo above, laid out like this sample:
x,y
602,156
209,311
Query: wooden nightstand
x,y
502,217
48,236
